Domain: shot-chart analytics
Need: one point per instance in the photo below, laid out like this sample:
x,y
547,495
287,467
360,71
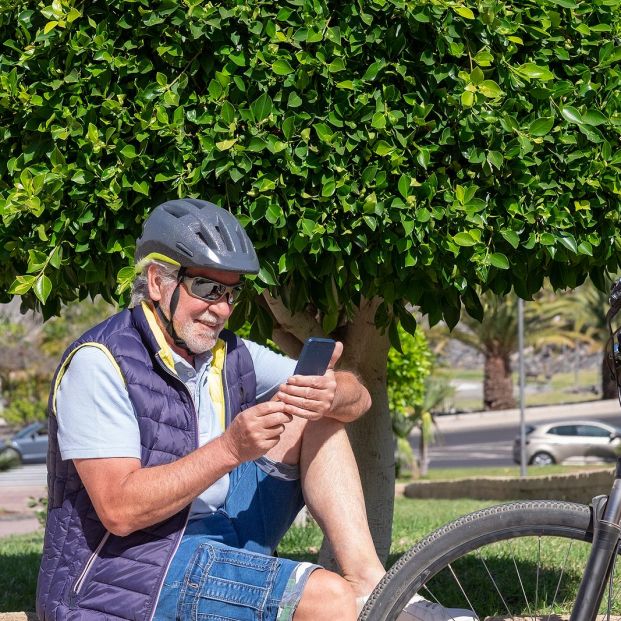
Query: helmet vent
x,y
176,210
183,248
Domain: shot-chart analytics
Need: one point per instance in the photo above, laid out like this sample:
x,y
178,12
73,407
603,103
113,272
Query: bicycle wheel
x,y
520,559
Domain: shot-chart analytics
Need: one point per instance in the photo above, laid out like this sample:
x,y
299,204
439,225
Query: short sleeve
x,y
95,416
271,369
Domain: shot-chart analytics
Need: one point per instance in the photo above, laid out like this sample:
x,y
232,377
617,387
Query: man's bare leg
x,y
333,494
326,597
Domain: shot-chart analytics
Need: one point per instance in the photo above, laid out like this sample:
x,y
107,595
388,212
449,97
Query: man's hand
x,y
255,431
311,396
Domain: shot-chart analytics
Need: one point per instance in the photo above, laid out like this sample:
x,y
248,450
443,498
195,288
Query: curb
x,y
576,487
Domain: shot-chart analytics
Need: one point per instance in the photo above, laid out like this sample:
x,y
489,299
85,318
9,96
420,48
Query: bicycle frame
x,y
606,532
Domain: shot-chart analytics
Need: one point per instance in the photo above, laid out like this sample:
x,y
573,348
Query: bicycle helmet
x,y
193,233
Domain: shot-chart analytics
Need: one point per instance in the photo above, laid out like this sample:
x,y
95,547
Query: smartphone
x,y
315,356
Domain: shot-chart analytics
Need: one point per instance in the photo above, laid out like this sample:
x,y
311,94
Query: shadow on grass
x,y
504,587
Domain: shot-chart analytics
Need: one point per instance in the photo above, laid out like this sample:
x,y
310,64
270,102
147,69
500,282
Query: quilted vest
x,y
87,572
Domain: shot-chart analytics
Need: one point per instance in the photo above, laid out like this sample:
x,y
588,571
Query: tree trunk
x,y
497,382
423,447
365,352
609,384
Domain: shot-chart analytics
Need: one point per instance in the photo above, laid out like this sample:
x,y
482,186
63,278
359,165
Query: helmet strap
x,y
168,322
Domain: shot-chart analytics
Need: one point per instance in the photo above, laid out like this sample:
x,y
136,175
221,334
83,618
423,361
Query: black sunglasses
x,y
212,290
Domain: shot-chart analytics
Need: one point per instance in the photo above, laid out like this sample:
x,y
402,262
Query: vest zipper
x,y
187,517
79,583
228,417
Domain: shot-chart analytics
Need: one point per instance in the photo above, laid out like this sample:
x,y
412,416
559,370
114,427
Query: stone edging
x,y
576,487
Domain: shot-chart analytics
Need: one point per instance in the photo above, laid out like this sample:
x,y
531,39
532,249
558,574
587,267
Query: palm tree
x,y
437,390
589,315
546,322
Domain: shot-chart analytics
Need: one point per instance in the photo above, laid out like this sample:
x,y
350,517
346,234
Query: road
x,y
486,438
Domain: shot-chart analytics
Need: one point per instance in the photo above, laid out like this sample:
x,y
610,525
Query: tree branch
x,y
300,325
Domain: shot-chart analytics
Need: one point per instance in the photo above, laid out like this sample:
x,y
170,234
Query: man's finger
x,y
336,354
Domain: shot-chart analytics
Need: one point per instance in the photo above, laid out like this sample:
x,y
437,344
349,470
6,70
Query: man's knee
x,y
326,597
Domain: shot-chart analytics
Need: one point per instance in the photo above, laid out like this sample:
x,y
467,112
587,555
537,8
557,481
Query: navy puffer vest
x,y
86,572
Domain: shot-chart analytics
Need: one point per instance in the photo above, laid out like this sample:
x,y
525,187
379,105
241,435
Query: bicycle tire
x,y
468,534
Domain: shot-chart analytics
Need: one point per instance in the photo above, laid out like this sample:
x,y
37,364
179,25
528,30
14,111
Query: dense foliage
x,y
412,150
407,372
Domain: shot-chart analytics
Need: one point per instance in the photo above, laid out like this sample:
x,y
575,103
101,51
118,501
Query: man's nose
x,y
222,308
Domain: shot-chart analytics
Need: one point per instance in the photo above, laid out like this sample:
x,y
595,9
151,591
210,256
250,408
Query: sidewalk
x,y
16,517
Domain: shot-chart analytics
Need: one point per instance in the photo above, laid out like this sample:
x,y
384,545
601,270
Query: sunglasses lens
x,y
207,290
234,294
211,291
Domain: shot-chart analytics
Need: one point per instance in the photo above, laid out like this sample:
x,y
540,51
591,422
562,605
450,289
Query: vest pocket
x,y
79,583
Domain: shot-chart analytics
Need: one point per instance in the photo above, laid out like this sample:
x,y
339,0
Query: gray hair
x,y
140,286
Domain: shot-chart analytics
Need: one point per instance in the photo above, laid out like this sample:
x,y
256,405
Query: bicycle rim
x,y
520,559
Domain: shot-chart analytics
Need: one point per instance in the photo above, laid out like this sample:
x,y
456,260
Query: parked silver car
x,y
581,440
28,445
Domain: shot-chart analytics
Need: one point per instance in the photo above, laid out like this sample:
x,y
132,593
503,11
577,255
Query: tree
x,y
406,378
29,353
382,154
548,321
590,307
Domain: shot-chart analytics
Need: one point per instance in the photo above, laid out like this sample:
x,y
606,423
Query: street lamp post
x,y
522,382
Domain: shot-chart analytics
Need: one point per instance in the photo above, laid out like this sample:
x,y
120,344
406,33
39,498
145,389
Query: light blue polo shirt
x,y
96,418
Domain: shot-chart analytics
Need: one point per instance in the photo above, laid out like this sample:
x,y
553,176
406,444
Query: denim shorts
x,y
223,569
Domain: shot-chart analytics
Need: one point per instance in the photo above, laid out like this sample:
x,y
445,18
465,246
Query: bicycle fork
x,y
606,531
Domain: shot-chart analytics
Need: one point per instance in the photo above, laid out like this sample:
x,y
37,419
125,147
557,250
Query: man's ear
x,y
154,282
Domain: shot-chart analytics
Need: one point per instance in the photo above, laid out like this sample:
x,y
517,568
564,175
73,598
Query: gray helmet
x,y
194,233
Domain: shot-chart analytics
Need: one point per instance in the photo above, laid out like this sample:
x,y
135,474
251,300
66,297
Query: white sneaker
x,y
421,609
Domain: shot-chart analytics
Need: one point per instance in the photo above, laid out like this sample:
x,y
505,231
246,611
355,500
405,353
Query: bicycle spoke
x,y
517,571
460,587
560,578
502,599
537,574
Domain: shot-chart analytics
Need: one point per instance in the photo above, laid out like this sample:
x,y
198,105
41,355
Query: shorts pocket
x,y
223,583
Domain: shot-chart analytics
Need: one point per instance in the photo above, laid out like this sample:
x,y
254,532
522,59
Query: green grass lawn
x,y
413,520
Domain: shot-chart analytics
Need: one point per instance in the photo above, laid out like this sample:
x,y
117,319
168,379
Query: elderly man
x,y
180,453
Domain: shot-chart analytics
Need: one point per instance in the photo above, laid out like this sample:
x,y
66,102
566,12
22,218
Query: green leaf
x,y
294,100
404,185
572,115
288,127
569,242
532,71
129,152
261,108
467,99
378,121
585,248
42,288
464,239
382,148
511,237
328,188
225,145
541,126
464,11
495,158
282,67
22,284
499,260
324,133
490,89
266,277
423,157
594,117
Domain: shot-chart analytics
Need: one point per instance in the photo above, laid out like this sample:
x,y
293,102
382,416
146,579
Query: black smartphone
x,y
315,356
